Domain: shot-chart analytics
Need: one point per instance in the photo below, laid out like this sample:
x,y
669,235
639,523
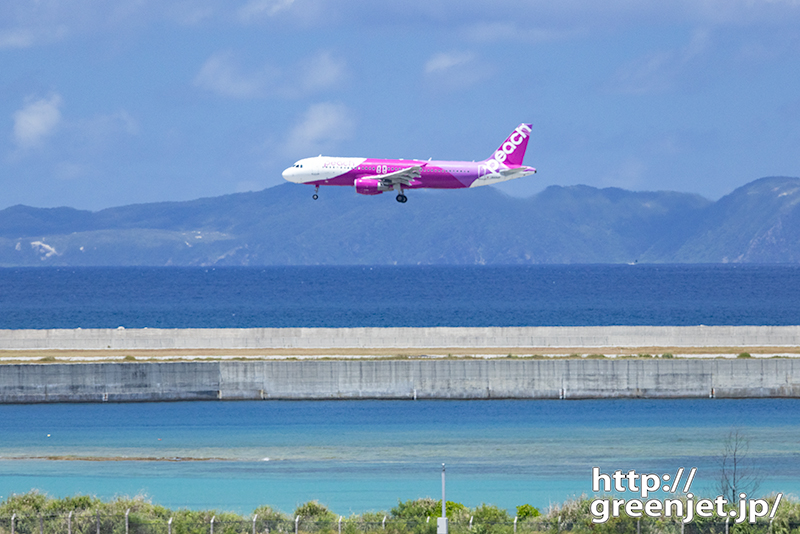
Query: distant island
x,y
757,223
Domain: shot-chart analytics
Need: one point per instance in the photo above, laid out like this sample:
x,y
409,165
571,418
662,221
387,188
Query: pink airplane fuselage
x,y
434,174
374,176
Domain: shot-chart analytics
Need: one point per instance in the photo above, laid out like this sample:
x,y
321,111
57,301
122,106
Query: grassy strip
x,y
32,509
146,355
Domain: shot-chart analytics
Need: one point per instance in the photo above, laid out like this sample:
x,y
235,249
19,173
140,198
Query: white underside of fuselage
x,y
320,168
496,178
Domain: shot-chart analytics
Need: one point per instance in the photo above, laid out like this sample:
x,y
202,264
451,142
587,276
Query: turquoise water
x,y
357,456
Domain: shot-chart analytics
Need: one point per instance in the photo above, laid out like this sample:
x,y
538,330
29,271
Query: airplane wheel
x,y
402,198
315,197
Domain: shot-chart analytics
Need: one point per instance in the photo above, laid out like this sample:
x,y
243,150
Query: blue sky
x,y
111,103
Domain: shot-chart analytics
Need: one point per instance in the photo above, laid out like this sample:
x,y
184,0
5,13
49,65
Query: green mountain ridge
x,y
758,223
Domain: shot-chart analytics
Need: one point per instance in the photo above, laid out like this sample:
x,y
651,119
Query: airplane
x,y
374,176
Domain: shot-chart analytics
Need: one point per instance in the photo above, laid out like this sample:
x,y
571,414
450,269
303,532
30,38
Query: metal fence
x,y
131,523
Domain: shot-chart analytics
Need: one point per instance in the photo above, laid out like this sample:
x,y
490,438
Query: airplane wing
x,y
403,176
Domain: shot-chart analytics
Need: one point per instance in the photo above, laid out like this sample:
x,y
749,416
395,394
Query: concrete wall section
x,y
108,382
399,379
334,338
528,379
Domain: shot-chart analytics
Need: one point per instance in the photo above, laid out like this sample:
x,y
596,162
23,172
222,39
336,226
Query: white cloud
x,y
121,121
221,74
40,123
36,120
255,9
628,173
101,131
488,32
454,71
740,12
191,13
322,72
322,127
547,19
659,71
17,38
446,61
67,170
39,21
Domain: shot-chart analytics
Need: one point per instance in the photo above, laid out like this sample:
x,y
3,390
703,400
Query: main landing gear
x,y
401,198
316,190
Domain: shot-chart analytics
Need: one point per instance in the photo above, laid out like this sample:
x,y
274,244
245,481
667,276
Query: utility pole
x,y
441,523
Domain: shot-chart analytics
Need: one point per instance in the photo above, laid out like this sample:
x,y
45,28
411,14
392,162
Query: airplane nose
x,y
287,173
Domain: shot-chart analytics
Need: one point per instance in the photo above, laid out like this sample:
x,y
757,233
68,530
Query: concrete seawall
x,y
400,379
334,338
397,379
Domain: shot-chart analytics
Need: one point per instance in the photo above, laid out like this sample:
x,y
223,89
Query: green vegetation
x,y
744,355
421,508
489,519
269,514
667,355
525,511
408,517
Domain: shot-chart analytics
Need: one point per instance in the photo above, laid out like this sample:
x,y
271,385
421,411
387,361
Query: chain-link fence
x,y
95,523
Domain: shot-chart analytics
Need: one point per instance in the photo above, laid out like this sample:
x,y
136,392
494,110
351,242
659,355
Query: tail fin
x,y
511,153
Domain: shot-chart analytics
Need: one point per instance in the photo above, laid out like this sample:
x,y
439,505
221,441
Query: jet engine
x,y
368,186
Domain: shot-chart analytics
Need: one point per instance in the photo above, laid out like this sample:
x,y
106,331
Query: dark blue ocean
x,y
357,456
551,295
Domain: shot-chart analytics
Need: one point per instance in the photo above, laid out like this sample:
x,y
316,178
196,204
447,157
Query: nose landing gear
x,y
316,190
